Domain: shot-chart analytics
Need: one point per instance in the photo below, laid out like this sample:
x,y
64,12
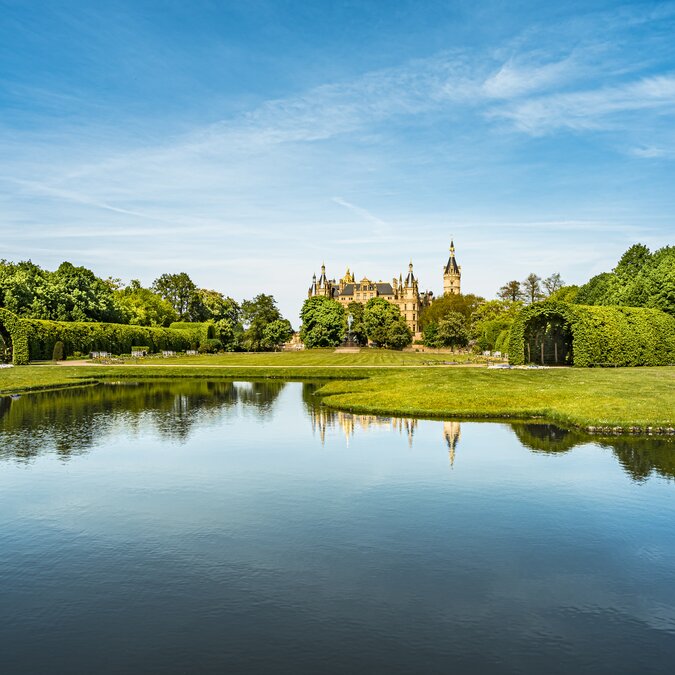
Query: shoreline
x,y
629,401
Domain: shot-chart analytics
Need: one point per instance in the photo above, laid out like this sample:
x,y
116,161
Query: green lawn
x,y
388,383
617,397
314,357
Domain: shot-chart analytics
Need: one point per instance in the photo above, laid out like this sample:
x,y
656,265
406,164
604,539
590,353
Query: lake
x,y
194,526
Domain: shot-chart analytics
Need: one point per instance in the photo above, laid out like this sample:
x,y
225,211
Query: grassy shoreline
x,y
622,400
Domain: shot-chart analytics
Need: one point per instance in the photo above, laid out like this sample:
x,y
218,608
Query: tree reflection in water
x,y
71,421
640,456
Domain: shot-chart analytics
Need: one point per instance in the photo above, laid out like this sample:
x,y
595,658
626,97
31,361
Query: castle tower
x,y
323,286
452,274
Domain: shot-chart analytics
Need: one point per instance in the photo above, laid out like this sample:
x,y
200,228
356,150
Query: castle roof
x,y
382,288
451,267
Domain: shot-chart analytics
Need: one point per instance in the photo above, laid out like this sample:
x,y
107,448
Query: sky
x,y
247,142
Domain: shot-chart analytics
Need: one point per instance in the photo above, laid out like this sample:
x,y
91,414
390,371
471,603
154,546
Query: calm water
x,y
192,527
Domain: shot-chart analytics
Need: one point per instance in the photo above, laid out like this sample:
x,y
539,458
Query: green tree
x,y
256,314
21,284
141,307
511,290
595,291
77,294
452,331
662,281
632,262
465,305
358,329
565,294
430,335
398,335
384,324
179,290
216,306
276,333
230,334
323,322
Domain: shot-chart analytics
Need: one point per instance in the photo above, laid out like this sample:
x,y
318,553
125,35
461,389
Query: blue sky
x,y
246,142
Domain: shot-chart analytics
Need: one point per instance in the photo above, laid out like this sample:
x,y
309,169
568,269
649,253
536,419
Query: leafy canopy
x,y
323,322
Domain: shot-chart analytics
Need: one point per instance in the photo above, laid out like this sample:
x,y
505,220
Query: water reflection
x,y
324,419
72,421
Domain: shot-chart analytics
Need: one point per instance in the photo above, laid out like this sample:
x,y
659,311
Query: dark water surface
x,y
190,527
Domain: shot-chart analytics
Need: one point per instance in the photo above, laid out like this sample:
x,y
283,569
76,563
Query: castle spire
x,y
410,279
452,273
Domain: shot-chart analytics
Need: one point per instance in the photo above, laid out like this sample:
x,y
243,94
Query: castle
x,y
404,293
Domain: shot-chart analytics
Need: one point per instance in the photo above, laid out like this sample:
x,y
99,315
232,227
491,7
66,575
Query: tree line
x,y
641,278
73,293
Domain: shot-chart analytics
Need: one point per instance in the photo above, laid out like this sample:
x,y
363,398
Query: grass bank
x,y
618,399
622,399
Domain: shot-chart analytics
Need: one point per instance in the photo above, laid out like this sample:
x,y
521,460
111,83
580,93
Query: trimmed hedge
x,y
199,332
35,339
602,335
15,328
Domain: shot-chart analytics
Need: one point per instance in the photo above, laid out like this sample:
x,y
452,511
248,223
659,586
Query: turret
x,y
452,274
410,279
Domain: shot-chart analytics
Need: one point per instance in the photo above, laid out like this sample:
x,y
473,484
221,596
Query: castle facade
x,y
404,293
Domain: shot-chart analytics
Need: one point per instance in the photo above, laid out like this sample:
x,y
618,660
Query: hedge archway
x,y
14,333
590,335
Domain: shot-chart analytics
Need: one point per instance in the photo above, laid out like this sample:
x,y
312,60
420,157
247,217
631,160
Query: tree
x,y
230,334
430,335
452,331
553,283
276,333
632,262
256,314
323,322
399,335
384,324
531,288
141,307
640,279
465,305
565,294
77,294
358,329
596,290
211,305
511,290
179,290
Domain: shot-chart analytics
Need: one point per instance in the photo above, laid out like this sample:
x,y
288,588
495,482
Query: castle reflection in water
x,y
324,419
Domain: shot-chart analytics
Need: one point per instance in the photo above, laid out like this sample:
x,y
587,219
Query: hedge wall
x,y
84,336
602,335
199,332
14,327
35,339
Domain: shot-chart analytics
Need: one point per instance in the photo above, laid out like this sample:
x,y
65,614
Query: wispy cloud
x,y
591,109
363,213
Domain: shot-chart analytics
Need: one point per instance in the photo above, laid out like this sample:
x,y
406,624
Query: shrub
x,y
210,346
601,335
15,329
58,352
